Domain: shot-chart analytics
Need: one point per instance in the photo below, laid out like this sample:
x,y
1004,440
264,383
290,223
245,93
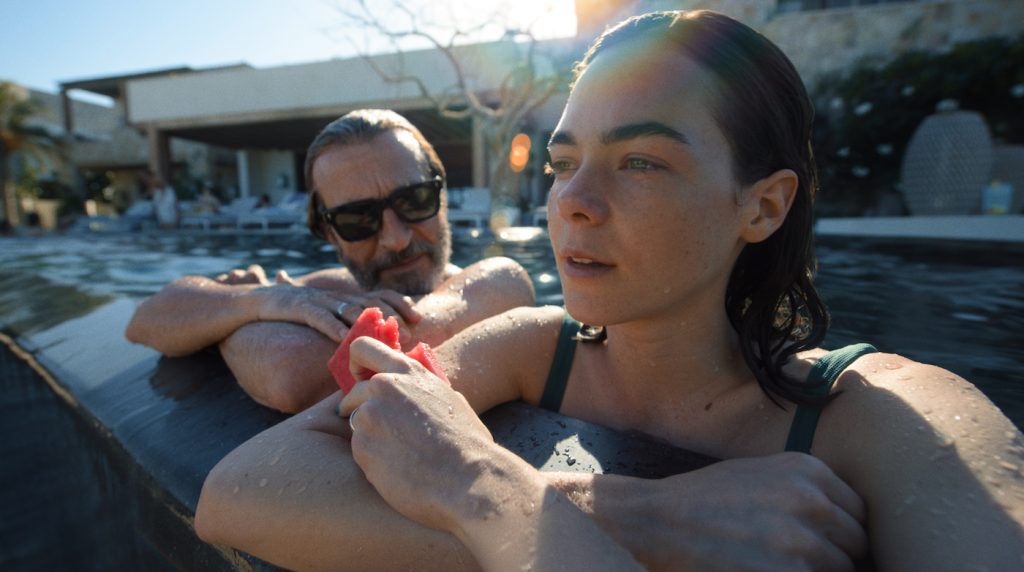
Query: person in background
x,y
207,203
706,334
378,196
165,201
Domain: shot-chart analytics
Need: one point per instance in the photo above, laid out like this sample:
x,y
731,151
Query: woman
x,y
680,218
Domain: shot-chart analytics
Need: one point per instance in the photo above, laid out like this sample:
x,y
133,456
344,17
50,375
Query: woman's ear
x,y
767,204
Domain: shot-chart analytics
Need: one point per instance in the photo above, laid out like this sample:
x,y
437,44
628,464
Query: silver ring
x,y
351,419
340,309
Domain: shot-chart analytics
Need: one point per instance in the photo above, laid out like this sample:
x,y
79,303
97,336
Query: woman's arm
x,y
430,457
293,496
938,465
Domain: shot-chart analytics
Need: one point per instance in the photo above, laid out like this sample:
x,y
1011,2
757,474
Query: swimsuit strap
x,y
558,375
823,376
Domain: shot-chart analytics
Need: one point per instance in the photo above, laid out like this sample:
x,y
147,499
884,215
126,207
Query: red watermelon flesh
x,y
423,354
371,323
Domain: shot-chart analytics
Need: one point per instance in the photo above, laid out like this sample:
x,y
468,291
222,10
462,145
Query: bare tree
x,y
530,79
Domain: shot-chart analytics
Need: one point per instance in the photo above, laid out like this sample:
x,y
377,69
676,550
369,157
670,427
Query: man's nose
x,y
395,233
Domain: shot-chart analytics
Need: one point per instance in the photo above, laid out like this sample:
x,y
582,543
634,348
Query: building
x,y
247,128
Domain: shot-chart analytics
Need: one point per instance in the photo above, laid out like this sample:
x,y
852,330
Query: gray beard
x,y
411,283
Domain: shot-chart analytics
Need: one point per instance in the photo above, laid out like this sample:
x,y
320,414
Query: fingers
x,y
840,515
348,311
258,274
254,274
368,354
402,305
283,278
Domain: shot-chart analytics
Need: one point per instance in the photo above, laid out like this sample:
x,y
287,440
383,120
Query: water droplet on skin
x,y
905,377
451,412
892,366
263,482
1008,466
235,491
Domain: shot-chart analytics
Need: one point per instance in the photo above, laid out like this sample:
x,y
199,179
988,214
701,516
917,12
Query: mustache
x,y
392,258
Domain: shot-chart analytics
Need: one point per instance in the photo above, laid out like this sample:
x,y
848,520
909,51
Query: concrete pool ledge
x,y
163,423
975,228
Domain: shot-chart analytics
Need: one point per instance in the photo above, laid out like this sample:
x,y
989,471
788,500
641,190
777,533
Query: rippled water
x,y
958,307
955,306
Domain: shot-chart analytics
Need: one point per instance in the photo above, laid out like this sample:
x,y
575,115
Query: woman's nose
x,y
580,198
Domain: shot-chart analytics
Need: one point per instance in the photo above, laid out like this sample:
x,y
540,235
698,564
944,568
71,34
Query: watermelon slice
x,y
371,323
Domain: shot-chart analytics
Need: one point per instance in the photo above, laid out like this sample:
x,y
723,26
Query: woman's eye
x,y
556,167
638,164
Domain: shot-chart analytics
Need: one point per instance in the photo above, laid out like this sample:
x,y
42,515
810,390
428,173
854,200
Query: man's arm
x,y
284,366
195,312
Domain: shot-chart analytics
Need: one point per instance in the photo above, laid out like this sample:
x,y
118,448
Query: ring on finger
x,y
352,419
340,309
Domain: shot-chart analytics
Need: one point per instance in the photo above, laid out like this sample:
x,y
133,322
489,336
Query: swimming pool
x,y
961,307
958,306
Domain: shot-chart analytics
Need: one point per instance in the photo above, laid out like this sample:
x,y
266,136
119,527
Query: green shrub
x,y
866,117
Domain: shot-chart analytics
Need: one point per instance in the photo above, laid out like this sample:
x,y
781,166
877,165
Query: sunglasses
x,y
360,220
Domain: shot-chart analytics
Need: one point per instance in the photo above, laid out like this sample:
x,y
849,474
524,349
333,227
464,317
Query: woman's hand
x,y
430,457
419,442
781,512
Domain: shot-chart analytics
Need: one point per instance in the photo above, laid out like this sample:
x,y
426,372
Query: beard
x,y
412,283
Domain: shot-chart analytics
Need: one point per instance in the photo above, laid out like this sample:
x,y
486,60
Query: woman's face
x,y
643,212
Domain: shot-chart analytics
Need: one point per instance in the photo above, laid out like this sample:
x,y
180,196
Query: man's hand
x,y
348,307
254,274
783,512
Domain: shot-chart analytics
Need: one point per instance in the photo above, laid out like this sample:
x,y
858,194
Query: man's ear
x,y
767,204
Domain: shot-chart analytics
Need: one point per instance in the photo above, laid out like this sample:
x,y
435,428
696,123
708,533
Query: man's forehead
x,y
364,169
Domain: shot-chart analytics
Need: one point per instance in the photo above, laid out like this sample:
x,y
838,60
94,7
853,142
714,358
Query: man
x,y
378,196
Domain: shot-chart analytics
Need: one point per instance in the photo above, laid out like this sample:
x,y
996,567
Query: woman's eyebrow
x,y
644,129
625,133
561,138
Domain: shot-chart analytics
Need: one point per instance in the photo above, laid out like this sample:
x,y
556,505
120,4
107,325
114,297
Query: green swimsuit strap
x,y
558,375
823,376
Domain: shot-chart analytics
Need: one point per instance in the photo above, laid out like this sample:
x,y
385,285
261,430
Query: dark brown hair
x,y
359,126
762,108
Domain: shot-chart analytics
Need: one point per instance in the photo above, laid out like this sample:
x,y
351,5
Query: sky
x,y
45,42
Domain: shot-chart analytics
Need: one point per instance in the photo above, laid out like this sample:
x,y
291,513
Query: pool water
x,y
960,307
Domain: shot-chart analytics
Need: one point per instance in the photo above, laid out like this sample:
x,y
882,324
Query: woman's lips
x,y
584,267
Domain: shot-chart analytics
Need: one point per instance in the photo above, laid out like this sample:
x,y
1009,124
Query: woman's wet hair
x,y
761,106
359,126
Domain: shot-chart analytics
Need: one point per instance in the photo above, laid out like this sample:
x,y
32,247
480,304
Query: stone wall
x,y
820,41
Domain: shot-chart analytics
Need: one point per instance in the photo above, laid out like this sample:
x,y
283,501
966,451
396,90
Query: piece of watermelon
x,y
423,354
371,323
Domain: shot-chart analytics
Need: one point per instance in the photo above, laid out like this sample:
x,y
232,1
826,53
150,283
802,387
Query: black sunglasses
x,y
360,220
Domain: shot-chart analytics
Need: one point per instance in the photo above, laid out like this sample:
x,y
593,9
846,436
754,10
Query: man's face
x,y
407,257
